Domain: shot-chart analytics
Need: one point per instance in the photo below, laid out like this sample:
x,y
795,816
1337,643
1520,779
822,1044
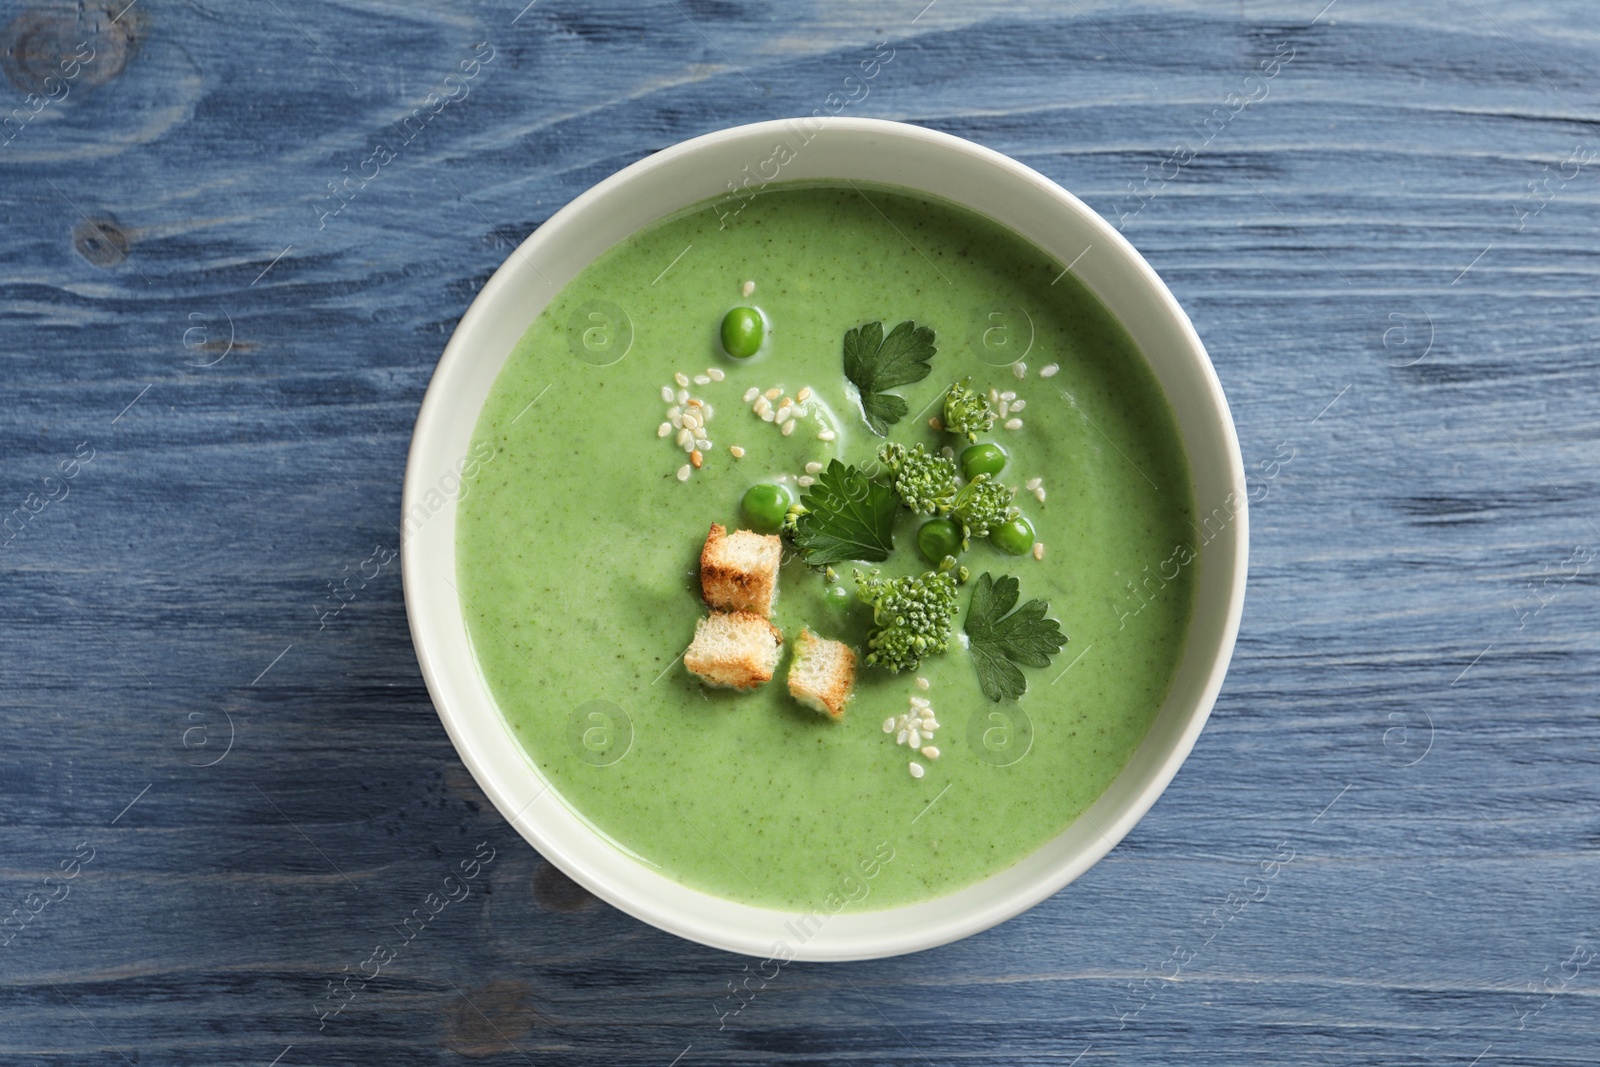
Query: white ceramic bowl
x,y
864,150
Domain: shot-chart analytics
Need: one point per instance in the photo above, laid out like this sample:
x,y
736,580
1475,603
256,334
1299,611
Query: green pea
x,y
742,332
937,539
764,507
1013,538
982,459
836,598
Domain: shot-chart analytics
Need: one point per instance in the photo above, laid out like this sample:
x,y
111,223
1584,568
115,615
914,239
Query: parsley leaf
x,y
875,363
998,641
882,411
845,516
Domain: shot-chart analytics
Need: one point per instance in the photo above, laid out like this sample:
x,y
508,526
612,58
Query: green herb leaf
x,y
999,641
875,363
845,516
882,411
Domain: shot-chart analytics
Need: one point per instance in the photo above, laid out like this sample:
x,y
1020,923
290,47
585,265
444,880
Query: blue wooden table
x,y
235,240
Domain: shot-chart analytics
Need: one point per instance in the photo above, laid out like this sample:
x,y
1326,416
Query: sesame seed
x,y
922,683
688,446
1038,550
1033,483
683,396
900,738
805,481
788,428
683,472
696,458
888,725
826,435
682,379
766,415
702,379
674,411
800,411
715,374
1013,424
666,393
1020,369
1039,494
1008,395
696,402
921,702
702,444
664,429
747,288
689,422
1019,405
994,396
762,405
783,412
685,436
914,738
804,394
930,725
736,452
1003,410
751,393
813,468
936,423
705,413
1050,371
773,394
916,769
931,752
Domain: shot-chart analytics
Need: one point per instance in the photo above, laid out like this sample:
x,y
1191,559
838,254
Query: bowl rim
x,y
436,410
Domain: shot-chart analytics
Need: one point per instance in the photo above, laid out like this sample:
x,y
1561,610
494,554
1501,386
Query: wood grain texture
x,y
1357,247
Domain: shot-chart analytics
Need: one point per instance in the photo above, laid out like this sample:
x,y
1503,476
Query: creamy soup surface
x,y
578,545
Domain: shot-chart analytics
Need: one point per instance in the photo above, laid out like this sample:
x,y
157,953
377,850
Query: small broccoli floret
x,y
981,505
925,481
911,617
966,411
791,519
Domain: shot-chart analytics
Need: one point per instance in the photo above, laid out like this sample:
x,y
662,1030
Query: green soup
x,y
578,544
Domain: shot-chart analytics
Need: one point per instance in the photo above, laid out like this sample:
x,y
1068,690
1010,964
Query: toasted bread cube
x,y
739,571
822,674
734,650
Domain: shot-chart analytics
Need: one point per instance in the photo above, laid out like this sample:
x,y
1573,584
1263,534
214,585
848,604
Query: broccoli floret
x,y
981,505
925,481
967,412
791,519
911,617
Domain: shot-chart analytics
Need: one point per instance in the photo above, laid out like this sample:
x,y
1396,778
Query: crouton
x,y
734,650
739,571
822,674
